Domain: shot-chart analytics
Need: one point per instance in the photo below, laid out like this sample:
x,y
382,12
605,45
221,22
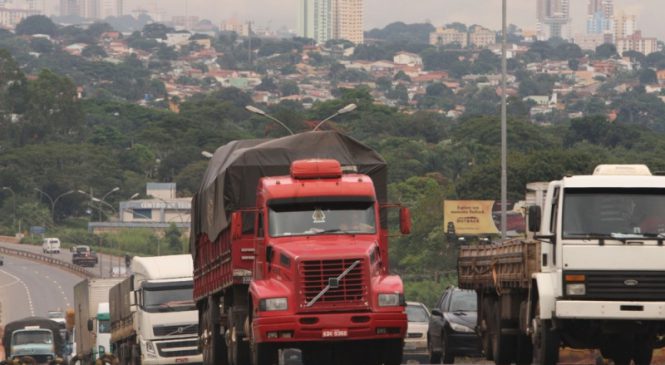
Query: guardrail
x,y
78,270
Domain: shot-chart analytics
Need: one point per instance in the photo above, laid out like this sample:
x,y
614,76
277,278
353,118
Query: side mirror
x,y
236,225
90,325
404,220
533,217
437,312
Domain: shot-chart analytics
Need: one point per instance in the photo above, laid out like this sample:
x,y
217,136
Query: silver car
x,y
415,344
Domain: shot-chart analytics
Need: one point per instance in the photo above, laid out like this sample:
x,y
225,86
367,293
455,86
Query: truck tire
x,y
263,354
642,353
503,346
214,348
524,350
546,342
434,356
448,356
238,347
392,351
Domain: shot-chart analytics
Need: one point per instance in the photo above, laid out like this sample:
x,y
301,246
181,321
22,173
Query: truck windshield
x,y
104,326
168,297
309,218
591,213
33,337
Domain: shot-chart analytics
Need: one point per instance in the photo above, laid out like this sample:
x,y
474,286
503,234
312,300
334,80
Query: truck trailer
x,y
92,318
153,316
590,277
290,245
34,338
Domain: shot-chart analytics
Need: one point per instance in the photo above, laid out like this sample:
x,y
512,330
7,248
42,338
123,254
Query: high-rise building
x,y
553,19
600,17
324,20
349,20
624,25
71,8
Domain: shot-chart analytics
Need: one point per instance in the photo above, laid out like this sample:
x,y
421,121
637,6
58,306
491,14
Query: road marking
x,y
27,291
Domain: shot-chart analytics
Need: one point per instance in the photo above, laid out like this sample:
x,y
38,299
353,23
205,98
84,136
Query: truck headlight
x,y
391,299
575,289
150,349
460,328
273,304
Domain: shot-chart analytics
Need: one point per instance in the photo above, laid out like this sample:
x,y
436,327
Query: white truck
x,y
592,276
153,317
51,245
92,318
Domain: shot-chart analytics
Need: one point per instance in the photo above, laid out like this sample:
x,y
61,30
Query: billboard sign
x,y
469,217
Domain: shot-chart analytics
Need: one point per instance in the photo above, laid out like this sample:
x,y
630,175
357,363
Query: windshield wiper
x,y
332,230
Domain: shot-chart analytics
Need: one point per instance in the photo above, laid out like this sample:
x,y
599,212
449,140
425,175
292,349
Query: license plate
x,y
408,346
183,360
335,333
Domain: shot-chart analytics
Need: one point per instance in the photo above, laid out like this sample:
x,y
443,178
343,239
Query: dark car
x,y
2,260
451,330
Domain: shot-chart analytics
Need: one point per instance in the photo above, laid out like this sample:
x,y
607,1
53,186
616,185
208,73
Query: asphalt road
x,y
103,268
29,288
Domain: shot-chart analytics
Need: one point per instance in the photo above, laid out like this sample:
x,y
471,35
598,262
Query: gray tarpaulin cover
x,y
232,175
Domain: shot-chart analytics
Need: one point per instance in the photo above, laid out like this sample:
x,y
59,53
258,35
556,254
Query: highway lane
x,y
30,288
103,268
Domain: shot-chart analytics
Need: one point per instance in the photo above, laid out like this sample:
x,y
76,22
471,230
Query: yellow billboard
x,y
469,217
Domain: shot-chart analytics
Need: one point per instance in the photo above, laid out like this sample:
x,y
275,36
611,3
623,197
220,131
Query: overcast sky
x,y
378,13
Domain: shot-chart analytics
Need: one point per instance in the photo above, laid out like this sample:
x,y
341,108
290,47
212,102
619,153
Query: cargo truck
x,y
34,338
591,277
278,265
92,318
153,316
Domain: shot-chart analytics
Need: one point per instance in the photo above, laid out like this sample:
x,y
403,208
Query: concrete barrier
x,y
75,269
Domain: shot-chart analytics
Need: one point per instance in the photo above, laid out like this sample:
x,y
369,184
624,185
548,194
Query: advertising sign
x,y
469,217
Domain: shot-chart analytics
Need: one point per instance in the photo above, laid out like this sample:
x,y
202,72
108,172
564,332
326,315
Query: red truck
x,y
291,251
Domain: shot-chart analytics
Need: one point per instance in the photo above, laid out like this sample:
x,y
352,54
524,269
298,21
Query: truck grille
x,y
623,285
178,348
351,290
185,329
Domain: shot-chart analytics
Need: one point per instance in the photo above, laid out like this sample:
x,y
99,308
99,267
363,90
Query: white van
x,y
51,245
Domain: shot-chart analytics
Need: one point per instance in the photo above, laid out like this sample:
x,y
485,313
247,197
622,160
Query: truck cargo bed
x,y
499,265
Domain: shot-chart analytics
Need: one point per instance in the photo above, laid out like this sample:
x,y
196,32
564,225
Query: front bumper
x,y
330,327
177,351
582,309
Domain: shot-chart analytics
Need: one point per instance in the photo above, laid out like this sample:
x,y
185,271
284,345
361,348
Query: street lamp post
x,y
101,200
347,109
255,110
14,198
53,201
504,124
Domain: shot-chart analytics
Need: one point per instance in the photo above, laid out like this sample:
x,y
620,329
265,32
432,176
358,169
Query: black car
x,y
451,330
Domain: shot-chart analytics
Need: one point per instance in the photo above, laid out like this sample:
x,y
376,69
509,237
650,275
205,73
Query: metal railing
x,y
78,270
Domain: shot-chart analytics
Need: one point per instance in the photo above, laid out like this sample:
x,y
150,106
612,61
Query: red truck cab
x,y
321,268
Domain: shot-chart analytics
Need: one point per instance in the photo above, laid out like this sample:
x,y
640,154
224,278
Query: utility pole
x,y
504,128
249,33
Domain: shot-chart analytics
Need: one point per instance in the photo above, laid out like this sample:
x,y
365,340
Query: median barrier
x,y
48,260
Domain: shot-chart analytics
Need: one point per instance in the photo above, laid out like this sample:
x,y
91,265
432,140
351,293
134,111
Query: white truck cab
x,y
602,280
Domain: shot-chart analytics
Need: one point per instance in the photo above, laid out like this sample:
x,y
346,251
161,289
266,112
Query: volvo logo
x,y
631,282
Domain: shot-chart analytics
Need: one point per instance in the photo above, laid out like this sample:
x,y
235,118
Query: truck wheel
x,y
262,354
524,350
392,352
434,357
642,353
503,346
546,342
448,356
214,348
238,348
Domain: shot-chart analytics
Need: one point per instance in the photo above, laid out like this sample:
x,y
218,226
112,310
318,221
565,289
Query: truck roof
x,y
162,267
347,185
231,178
614,181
